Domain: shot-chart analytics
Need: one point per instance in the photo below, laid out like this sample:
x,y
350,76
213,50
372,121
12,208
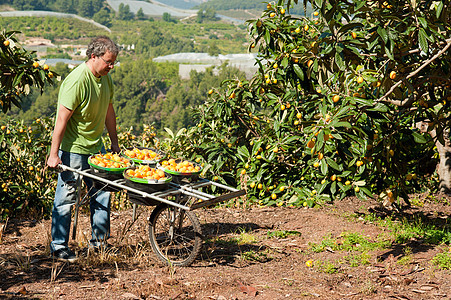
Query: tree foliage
x,y
20,72
85,8
334,107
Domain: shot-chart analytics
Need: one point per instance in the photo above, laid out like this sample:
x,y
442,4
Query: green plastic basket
x,y
159,166
146,185
108,170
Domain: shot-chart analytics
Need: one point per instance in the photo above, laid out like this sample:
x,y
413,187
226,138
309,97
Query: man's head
x,y
102,53
99,45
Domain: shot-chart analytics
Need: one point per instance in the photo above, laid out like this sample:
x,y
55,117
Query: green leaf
x,y
383,34
349,26
243,152
343,124
380,107
419,138
322,187
422,39
363,101
389,53
333,164
171,134
423,22
367,192
333,187
339,61
324,167
439,8
299,72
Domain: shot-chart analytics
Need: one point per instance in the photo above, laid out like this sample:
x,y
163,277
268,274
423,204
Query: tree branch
x,y
415,72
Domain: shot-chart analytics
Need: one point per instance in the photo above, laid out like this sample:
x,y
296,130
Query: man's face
x,y
103,64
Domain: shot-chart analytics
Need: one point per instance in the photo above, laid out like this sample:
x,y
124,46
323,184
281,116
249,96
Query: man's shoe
x,y
65,254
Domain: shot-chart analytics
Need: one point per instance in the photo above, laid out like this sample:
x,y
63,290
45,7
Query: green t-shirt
x,y
88,97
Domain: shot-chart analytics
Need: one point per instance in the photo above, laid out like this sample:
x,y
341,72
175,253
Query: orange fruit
x,y
336,98
35,64
392,75
6,43
309,63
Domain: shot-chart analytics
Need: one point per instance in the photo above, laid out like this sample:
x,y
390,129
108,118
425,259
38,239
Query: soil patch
x,y
257,253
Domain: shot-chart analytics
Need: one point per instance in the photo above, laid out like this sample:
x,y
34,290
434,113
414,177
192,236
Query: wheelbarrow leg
x,y
134,212
77,208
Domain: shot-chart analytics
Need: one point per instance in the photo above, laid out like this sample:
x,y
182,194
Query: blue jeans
x,y
65,197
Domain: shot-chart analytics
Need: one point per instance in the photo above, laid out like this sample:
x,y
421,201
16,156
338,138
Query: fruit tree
x,y
351,100
19,72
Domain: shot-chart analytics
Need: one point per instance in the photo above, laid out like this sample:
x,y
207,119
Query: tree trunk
x,y
444,165
444,151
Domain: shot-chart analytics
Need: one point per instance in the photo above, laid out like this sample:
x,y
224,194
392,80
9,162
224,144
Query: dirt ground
x,y
245,255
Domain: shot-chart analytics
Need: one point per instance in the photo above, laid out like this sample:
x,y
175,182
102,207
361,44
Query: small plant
x,y
349,241
246,238
442,260
283,234
23,262
256,256
327,242
326,267
407,257
360,259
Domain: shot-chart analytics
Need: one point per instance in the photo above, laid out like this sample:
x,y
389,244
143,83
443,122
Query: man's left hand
x,y
115,148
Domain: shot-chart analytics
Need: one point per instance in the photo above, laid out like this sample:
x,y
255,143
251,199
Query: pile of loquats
x,y
146,172
182,166
110,160
142,154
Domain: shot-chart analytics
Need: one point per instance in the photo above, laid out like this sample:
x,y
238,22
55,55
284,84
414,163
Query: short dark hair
x,y
99,45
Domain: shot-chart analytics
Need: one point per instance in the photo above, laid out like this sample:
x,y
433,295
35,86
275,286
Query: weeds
x,y
283,234
326,267
406,259
22,262
256,256
360,259
442,260
418,227
349,241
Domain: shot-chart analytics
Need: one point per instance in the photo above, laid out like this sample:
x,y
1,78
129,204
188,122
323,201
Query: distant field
x,y
151,9
241,14
53,28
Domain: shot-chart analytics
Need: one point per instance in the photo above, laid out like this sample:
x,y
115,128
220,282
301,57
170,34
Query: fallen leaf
x,y
23,291
247,289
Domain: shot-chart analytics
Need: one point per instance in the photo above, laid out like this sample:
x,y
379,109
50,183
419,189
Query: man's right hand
x,y
53,161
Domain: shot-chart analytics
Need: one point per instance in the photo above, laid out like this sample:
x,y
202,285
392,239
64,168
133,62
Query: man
x,y
84,110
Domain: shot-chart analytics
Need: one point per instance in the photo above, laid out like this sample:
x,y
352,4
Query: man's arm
x,y
64,115
110,123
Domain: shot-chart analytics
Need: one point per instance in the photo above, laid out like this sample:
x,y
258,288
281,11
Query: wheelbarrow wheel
x,y
175,235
